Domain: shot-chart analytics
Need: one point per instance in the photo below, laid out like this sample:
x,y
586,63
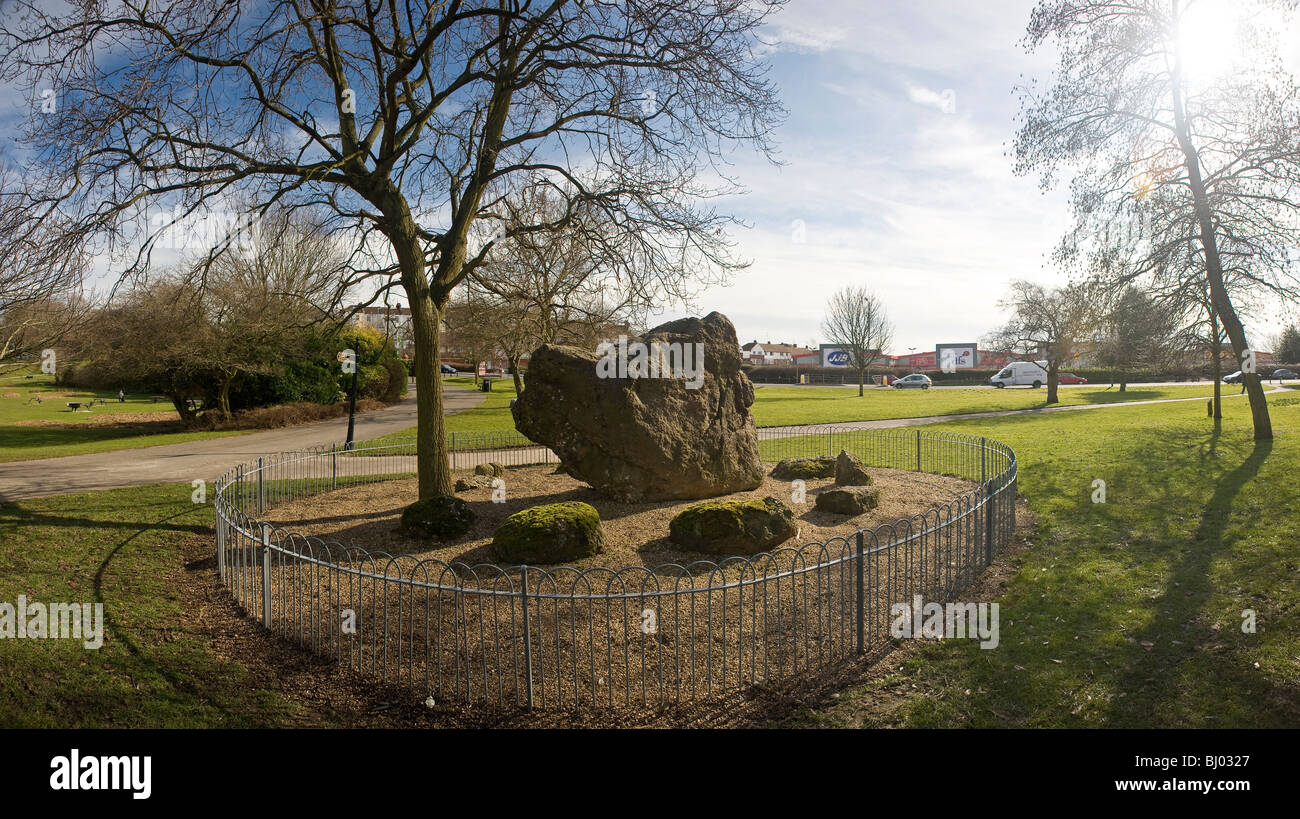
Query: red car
x,y
1071,378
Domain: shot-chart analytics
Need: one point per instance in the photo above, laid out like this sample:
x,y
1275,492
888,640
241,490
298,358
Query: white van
x,y
1020,373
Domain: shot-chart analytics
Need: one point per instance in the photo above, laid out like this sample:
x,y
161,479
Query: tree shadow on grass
x,y
1152,678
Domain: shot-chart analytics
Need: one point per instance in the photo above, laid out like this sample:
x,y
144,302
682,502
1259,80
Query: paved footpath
x,y
207,459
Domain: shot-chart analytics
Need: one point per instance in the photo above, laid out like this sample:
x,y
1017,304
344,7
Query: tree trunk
x,y
182,404
1053,379
432,459
1216,365
862,374
514,372
223,397
1123,382
1213,267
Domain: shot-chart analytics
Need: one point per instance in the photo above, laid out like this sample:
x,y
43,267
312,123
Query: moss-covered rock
x,y
551,533
849,471
491,469
443,516
823,466
473,482
848,500
733,527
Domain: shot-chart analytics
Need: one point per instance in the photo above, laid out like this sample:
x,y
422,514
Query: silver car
x,y
915,381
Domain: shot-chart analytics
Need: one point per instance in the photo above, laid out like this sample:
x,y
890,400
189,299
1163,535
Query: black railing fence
x,y
560,637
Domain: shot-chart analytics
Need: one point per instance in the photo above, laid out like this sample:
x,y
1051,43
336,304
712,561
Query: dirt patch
x,y
144,421
635,533
165,420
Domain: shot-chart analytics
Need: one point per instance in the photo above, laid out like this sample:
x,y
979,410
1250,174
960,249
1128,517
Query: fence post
x,y
984,445
261,491
990,499
334,466
830,441
918,450
528,644
221,535
861,607
266,575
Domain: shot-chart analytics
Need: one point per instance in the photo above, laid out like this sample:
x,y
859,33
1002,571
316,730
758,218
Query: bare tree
x,y
857,323
409,121
41,274
1180,162
1046,325
1137,330
284,274
157,336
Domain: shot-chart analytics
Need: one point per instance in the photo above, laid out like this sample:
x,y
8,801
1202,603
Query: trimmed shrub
x,y
551,533
733,527
491,469
443,516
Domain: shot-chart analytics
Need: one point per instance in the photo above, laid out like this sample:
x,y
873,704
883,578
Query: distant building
x,y
391,322
770,354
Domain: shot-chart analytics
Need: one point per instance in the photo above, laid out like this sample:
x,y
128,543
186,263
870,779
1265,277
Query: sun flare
x,y
1207,40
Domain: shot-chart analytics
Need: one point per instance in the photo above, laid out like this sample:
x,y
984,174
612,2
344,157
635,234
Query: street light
x,y
352,402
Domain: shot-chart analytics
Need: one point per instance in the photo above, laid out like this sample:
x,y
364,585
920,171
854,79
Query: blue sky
x,y
896,170
895,177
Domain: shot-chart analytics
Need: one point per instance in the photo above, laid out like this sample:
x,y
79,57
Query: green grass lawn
x,y
155,669
22,442
491,415
1128,612
781,406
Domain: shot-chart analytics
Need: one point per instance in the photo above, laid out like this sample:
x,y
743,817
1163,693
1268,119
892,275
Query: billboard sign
x,y
953,357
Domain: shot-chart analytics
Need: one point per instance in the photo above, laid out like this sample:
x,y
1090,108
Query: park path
x,y
206,459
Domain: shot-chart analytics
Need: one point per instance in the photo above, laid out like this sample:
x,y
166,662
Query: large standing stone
x,y
647,433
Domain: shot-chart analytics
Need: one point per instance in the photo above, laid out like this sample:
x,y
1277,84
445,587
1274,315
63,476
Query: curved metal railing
x,y
563,636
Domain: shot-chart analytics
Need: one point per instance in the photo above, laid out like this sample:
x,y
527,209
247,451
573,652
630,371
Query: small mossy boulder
x,y
849,471
733,527
491,469
551,533
443,516
823,466
473,482
848,500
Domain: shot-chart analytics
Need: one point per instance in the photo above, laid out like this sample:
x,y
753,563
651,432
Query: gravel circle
x,y
635,533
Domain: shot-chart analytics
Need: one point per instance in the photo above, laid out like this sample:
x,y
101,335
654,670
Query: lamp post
x,y
352,402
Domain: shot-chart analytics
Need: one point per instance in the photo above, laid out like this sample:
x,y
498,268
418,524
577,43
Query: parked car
x,y
447,369
1232,378
915,381
1020,373
1070,378
1284,373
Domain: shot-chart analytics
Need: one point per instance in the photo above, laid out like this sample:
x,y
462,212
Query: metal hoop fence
x,y
560,637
